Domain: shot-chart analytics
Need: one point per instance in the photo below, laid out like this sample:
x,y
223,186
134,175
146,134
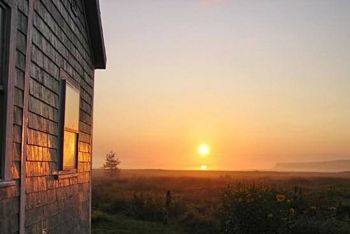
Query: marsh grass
x,y
245,203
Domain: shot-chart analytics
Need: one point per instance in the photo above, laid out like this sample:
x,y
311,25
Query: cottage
x,y
49,50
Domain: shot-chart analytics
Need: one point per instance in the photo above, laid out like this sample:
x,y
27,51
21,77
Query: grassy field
x,y
104,223
136,201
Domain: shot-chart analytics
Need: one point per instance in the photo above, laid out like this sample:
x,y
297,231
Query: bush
x,y
196,223
253,209
260,209
99,216
147,208
308,225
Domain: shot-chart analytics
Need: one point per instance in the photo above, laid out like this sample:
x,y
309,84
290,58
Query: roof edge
x,y
93,16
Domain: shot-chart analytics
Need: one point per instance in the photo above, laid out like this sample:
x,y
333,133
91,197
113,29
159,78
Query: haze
x,y
259,82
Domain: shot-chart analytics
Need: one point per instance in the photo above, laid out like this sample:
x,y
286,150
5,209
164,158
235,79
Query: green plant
x,y
252,209
98,216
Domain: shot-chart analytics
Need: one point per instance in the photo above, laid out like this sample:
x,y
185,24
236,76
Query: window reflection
x,y
70,150
71,127
72,108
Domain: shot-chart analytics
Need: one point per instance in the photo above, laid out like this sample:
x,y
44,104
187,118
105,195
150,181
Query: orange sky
x,y
260,82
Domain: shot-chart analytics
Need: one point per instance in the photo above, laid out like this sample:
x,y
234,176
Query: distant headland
x,y
321,166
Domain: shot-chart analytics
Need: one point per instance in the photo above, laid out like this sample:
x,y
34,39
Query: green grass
x,y
107,224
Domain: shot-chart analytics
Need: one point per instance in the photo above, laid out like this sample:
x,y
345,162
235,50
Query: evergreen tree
x,y
112,163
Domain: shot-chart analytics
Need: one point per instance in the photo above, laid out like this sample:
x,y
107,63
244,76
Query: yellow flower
x,y
280,197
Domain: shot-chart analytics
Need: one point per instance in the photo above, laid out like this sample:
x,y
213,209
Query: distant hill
x,y
323,166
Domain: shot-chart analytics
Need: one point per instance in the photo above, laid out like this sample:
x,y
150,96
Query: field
x,y
156,201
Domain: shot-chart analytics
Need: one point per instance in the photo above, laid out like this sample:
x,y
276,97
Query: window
x,y
69,136
3,76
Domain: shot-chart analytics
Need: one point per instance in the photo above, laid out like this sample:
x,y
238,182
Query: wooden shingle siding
x,y
59,41
9,195
50,39
23,7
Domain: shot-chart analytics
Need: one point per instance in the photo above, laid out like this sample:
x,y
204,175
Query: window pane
x,y
70,150
72,108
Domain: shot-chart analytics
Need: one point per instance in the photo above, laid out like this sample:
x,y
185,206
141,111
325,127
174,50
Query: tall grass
x,y
225,204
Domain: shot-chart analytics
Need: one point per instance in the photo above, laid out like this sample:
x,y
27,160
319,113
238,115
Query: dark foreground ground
x,y
136,201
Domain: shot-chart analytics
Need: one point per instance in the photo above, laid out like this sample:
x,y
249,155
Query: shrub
x,y
252,209
307,225
147,208
197,223
98,216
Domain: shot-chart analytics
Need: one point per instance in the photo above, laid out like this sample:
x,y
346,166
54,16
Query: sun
x,y
203,167
203,150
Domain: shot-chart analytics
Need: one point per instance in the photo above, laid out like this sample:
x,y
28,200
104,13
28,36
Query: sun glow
x,y
203,150
203,167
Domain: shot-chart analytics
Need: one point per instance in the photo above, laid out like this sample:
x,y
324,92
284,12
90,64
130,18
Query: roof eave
x,y
93,16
